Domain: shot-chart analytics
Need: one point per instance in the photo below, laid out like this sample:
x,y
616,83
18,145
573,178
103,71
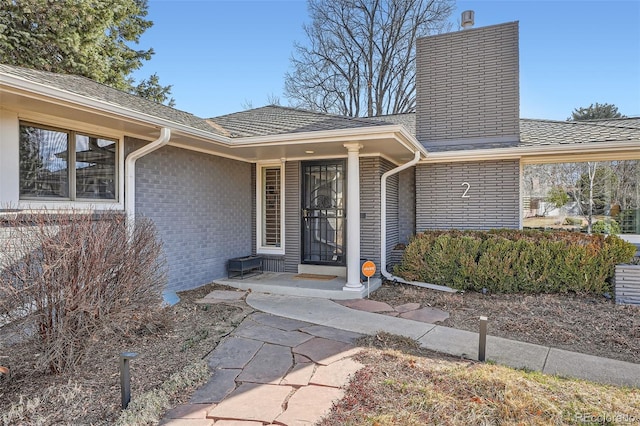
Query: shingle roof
x,y
277,120
90,89
547,132
544,132
408,120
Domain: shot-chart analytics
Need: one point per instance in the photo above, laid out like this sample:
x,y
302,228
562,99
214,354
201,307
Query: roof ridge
x,y
363,120
592,123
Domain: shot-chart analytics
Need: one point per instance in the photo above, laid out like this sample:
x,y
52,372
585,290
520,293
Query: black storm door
x,y
323,212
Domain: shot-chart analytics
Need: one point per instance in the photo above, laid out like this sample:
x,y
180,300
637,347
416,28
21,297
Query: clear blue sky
x,y
220,55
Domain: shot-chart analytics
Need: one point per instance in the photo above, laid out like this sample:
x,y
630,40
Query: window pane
x,y
95,168
601,197
43,163
271,207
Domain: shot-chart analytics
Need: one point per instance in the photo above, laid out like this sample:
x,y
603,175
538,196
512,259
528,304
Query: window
x,y
61,164
271,205
597,196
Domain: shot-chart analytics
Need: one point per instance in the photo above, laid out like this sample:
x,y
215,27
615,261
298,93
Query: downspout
x,y
169,297
130,168
383,230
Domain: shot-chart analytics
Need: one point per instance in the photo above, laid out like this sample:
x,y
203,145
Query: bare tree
x,y
360,56
592,177
627,186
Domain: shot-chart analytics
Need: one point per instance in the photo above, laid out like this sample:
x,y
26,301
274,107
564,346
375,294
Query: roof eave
x,y
531,152
40,90
397,132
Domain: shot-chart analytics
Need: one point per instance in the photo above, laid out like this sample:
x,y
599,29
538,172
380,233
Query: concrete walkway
x,y
450,340
289,363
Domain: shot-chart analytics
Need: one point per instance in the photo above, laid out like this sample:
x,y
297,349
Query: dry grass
x,y
149,407
401,383
580,323
409,386
165,373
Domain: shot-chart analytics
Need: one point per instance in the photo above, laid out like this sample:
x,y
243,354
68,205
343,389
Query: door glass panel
x,y
323,213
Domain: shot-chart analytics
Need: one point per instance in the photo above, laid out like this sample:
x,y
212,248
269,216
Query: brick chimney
x,y
467,88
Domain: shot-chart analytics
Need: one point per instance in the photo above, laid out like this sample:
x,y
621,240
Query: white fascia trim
x,y
332,157
38,90
359,134
529,151
260,249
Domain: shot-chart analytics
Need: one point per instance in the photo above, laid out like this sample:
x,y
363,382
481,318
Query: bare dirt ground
x,y
581,323
91,394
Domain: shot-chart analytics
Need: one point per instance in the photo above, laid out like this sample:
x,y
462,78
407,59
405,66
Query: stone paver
x,y
299,359
299,375
282,323
221,296
336,374
188,411
428,315
269,365
324,351
221,383
366,305
234,352
272,335
226,295
332,333
186,422
308,405
252,401
289,371
407,307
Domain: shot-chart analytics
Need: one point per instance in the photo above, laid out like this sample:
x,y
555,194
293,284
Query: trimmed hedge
x,y
510,261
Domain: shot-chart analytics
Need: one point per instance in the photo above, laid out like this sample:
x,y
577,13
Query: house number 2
x,y
467,186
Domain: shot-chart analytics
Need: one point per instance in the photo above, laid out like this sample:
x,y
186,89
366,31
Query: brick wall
x,y
493,197
406,204
201,205
371,170
467,87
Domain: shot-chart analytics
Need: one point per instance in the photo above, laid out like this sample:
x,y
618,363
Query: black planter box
x,y
244,266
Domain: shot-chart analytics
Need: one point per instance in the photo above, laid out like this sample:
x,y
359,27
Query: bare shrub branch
x,y
72,277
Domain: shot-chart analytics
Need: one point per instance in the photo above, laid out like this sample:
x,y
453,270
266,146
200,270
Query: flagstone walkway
x,y
271,370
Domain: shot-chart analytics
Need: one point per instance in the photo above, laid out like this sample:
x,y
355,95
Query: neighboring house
x,y
301,188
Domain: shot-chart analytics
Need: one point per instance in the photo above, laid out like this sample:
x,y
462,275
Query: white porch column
x,y
353,217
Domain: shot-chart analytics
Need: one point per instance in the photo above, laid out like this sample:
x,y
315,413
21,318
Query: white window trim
x,y
260,249
81,205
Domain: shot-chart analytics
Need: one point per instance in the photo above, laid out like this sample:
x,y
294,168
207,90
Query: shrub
x,y
608,226
573,221
74,277
508,261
